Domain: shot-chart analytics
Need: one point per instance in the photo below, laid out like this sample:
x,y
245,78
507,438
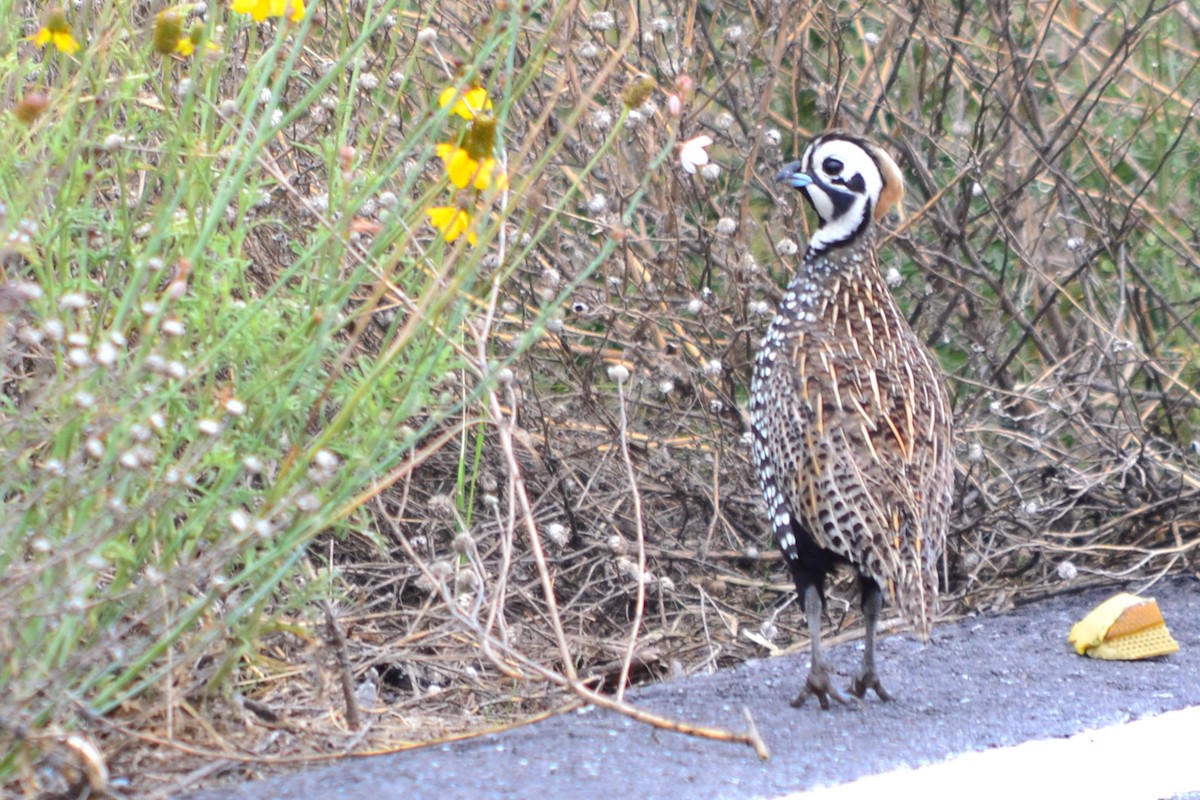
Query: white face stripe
x,y
839,220
840,228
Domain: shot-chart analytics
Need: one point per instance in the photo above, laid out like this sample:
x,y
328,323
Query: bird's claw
x,y
817,685
868,680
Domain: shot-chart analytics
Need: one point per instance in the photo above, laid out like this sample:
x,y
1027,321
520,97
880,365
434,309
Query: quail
x,y
852,427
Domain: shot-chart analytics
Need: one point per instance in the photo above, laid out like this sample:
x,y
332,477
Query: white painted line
x,y
1151,758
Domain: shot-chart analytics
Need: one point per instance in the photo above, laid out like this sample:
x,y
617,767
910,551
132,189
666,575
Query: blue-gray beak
x,y
793,175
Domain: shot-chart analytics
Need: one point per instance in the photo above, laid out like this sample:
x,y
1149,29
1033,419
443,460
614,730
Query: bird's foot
x,y
868,680
817,685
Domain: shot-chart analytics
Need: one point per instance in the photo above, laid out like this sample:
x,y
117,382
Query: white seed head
x,y
24,290
94,447
106,354
323,459
239,520
30,336
73,301
601,21
760,308
557,533
618,373
601,119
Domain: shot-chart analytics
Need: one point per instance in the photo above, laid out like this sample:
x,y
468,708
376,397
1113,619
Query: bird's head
x,y
848,181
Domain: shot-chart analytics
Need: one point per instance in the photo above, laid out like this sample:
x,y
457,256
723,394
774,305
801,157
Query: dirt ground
x,y
984,682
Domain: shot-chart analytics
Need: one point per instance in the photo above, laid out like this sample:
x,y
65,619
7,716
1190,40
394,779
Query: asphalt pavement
x,y
981,688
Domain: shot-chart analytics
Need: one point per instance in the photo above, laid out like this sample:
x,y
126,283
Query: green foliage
x,y
226,319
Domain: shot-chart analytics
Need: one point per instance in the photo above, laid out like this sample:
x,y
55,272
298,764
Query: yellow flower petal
x,y
488,175
451,221
460,167
292,9
65,43
465,171
469,105
258,9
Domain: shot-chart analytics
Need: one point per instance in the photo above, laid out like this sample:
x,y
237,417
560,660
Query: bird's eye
x,y
832,167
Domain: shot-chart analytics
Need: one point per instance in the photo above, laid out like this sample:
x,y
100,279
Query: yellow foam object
x,y
1123,628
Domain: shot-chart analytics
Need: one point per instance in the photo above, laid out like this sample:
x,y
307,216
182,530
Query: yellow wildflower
x,y
57,31
467,104
188,44
451,221
465,171
261,9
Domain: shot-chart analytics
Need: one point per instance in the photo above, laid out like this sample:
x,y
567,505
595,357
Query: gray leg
x,y
872,601
817,684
